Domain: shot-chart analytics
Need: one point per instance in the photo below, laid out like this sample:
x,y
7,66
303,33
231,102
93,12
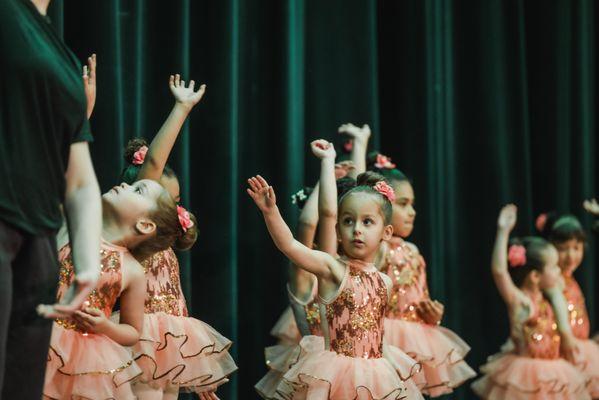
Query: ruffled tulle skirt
x,y
514,377
182,351
588,362
88,366
279,359
319,374
439,350
285,329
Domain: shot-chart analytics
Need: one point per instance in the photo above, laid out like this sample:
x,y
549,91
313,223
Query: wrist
x,y
183,107
270,211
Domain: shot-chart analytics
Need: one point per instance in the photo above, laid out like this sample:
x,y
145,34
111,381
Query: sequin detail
x,y
107,290
407,270
541,338
356,316
163,285
312,311
579,318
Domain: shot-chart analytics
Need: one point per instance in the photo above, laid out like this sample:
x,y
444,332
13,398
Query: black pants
x,y
28,277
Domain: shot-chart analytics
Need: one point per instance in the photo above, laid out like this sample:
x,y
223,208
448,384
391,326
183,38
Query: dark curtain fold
x,y
481,103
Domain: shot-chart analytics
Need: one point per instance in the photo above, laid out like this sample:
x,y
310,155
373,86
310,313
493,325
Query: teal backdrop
x,y
480,103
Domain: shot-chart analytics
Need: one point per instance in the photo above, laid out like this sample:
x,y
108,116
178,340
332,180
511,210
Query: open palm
x,y
185,95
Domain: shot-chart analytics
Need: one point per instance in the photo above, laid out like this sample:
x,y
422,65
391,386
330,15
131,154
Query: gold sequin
x,y
107,290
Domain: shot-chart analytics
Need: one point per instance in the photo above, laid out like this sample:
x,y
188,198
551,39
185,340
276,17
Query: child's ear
x,y
388,232
535,276
145,226
338,232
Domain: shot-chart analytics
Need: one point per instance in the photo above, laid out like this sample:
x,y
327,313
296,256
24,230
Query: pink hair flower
x,y
516,256
184,218
383,188
383,162
348,146
140,155
541,222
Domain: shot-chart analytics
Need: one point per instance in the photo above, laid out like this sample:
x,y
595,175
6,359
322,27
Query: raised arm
x,y
360,138
300,281
308,219
319,263
327,198
162,144
83,212
89,83
499,264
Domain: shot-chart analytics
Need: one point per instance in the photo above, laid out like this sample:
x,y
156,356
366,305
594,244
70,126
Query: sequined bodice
x,y
579,318
163,284
307,314
108,288
356,316
407,270
540,337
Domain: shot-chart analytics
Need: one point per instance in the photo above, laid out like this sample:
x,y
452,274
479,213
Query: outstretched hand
x,y
323,149
591,206
355,132
186,96
262,194
507,217
74,297
89,83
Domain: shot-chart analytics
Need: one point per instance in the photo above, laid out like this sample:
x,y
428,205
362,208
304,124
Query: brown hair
x,y
365,184
169,232
535,257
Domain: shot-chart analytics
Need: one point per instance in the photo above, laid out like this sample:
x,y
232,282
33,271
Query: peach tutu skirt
x,y
285,329
182,351
588,362
439,350
88,366
320,374
279,359
514,377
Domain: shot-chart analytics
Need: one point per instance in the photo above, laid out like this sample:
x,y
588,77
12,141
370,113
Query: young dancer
x,y
522,270
349,362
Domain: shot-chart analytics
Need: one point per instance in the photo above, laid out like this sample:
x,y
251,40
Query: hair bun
x,y
370,179
132,146
189,237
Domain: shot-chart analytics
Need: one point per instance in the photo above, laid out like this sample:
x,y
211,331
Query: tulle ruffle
x,y
320,374
88,366
439,350
183,351
509,376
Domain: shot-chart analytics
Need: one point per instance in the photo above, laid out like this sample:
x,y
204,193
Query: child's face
x,y
361,226
404,213
570,253
171,184
132,202
551,272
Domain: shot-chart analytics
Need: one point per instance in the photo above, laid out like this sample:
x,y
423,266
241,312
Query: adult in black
x,y
44,163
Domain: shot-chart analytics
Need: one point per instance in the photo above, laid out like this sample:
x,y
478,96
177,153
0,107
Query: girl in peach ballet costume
x,y
176,353
87,359
349,362
302,317
565,232
533,370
